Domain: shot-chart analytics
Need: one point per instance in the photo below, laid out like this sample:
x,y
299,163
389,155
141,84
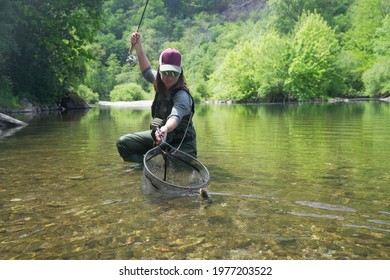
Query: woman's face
x,y
169,78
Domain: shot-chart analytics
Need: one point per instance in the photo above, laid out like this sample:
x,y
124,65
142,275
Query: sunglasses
x,y
170,73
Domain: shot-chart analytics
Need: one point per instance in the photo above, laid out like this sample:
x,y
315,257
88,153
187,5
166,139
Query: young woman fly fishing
x,y
172,109
167,150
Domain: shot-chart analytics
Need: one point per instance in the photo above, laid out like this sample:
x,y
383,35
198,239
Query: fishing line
x,y
132,60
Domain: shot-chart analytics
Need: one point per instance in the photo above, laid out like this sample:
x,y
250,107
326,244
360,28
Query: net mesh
x,y
171,171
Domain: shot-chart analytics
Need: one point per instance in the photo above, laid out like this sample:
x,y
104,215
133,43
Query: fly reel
x,y
132,60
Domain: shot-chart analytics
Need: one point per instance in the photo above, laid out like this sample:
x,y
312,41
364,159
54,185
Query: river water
x,y
298,181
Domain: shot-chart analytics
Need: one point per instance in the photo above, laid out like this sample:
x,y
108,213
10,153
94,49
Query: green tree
x,y
203,50
113,69
254,70
377,78
182,9
49,45
7,98
366,18
271,65
358,42
96,71
7,27
284,14
7,47
314,50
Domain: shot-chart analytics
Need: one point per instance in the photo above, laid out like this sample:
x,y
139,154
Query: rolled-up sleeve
x,y
149,74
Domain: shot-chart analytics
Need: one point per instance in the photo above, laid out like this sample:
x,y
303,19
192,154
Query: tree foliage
x,y
127,92
366,16
377,78
312,67
298,49
253,70
46,48
285,14
87,94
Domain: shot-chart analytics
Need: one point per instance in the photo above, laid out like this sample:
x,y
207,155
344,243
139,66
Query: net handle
x,y
161,136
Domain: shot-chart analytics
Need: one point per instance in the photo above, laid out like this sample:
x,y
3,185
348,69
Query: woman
x,y
172,108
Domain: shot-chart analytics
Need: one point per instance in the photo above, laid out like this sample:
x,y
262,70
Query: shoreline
x,y
28,108
148,103
126,104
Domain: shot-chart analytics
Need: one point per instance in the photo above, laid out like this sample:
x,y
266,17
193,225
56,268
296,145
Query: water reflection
x,y
9,131
301,181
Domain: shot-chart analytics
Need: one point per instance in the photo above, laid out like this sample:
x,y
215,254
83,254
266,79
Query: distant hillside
x,y
240,8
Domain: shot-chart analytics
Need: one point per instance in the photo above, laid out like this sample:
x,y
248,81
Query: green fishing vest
x,y
161,109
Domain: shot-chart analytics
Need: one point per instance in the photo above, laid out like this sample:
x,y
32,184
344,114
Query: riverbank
x,y
126,104
8,128
28,108
147,103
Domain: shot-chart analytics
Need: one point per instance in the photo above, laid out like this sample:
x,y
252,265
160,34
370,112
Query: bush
x,y
87,94
377,79
6,93
127,92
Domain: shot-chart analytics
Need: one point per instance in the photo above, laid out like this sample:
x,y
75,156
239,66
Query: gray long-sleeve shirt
x,y
182,102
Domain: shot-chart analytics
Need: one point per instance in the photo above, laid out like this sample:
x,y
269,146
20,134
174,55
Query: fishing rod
x,y
132,59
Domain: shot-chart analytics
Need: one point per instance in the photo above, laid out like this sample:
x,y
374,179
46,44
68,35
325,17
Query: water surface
x,y
301,181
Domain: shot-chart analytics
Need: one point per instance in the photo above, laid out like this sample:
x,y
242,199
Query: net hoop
x,y
157,184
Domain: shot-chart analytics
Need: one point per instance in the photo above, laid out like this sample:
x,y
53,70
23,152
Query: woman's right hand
x,y
161,134
135,39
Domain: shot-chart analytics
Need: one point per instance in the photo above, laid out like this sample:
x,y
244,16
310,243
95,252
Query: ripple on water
x,y
371,228
312,215
380,222
325,206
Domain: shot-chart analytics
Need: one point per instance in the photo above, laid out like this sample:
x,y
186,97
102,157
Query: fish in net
x,y
169,171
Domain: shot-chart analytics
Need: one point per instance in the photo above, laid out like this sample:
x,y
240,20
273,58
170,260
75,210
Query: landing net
x,y
172,172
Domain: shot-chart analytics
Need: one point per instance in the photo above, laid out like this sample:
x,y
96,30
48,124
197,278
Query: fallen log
x,y
9,122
